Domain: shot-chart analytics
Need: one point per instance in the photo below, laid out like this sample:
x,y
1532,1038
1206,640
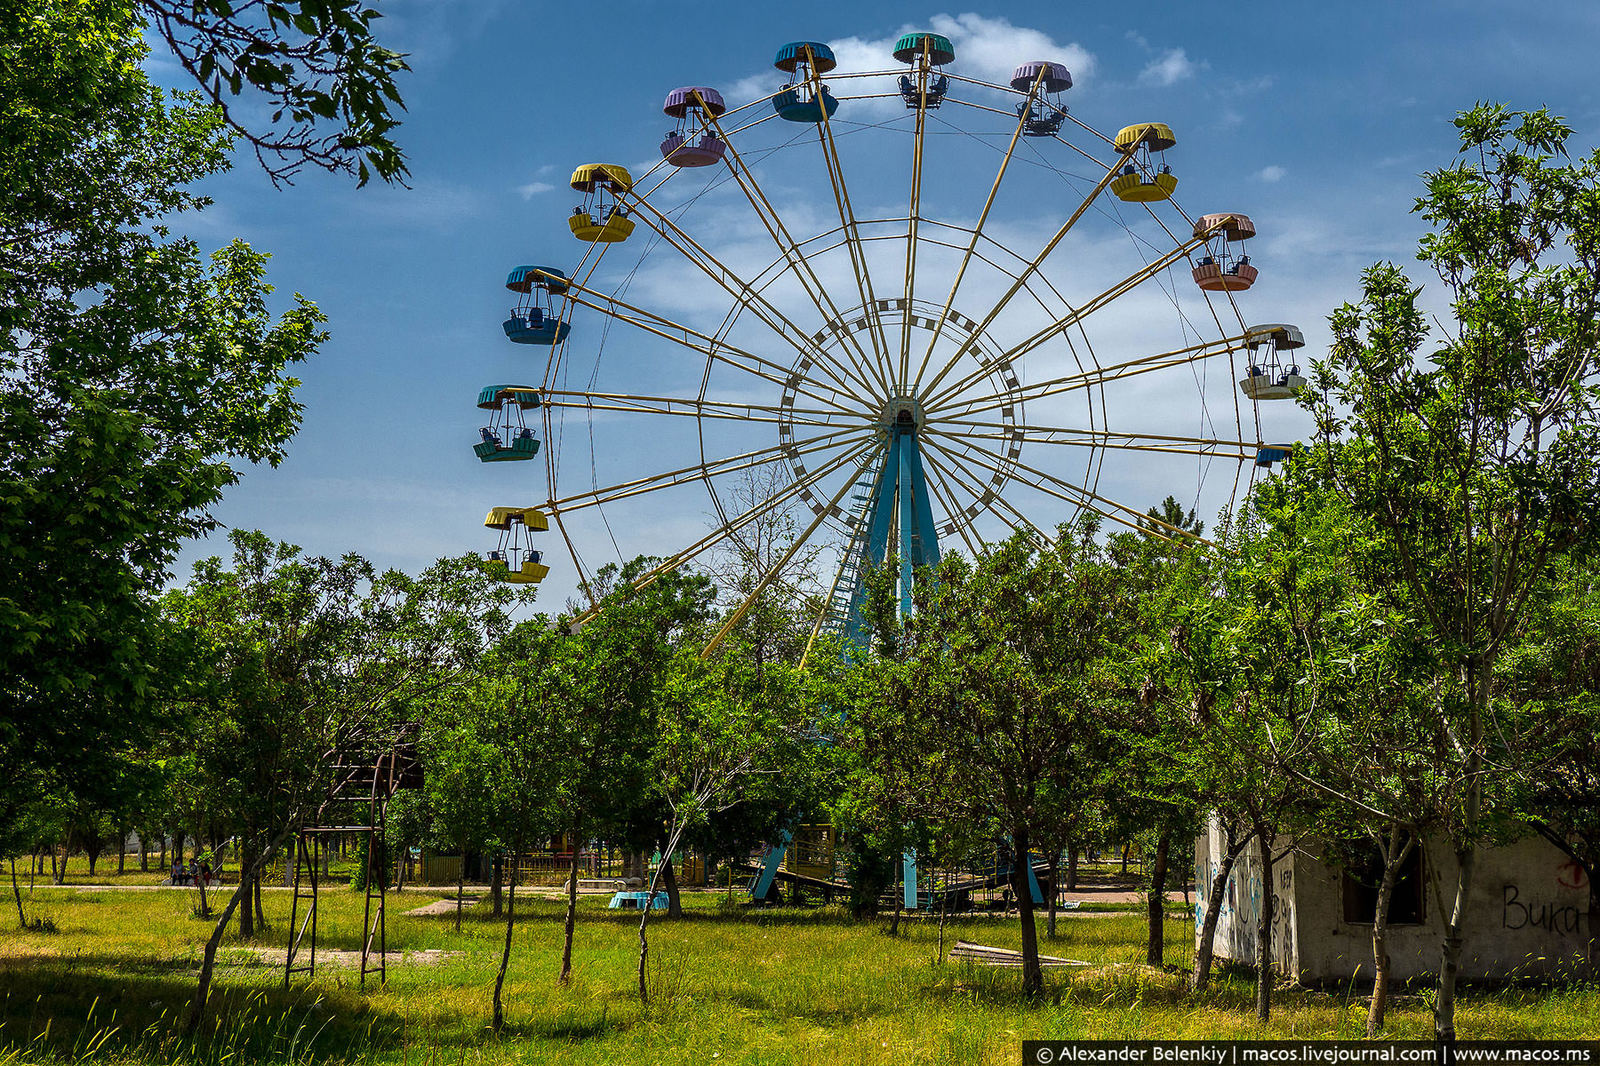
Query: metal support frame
x,y
364,816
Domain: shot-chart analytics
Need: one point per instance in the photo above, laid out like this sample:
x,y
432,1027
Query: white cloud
x,y
1271,173
1171,67
534,188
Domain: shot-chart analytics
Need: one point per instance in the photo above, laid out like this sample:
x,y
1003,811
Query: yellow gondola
x,y
516,561
1142,179
601,217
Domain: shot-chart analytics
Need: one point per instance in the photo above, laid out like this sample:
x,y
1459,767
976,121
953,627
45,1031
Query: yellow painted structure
x,y
1153,136
502,518
1136,189
586,227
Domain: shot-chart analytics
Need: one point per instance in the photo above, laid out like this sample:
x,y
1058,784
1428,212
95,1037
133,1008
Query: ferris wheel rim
x,y
708,407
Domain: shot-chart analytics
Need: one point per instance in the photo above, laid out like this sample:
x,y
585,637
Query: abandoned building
x,y
1526,916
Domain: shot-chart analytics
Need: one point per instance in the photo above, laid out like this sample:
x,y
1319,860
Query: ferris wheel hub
x,y
903,410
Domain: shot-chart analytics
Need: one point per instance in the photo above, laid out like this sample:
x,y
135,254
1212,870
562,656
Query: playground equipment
x,y
693,142
904,382
361,781
1145,177
533,320
516,559
1225,267
1043,111
1268,377
507,436
601,216
804,98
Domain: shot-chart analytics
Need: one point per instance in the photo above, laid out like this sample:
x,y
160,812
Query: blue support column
x,y
900,497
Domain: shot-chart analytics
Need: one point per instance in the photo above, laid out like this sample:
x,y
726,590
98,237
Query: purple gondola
x,y
1042,82
693,142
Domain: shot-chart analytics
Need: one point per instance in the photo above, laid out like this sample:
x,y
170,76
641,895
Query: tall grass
x,y
728,985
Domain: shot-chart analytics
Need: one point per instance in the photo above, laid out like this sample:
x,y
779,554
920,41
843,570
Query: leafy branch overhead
x,y
330,85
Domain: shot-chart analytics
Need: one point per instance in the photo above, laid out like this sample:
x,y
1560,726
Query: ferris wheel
x,y
932,310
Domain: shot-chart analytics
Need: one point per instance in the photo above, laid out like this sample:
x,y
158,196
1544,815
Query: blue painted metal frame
x,y
902,489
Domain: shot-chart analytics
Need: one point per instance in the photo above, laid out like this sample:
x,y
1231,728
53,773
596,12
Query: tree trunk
x,y
1444,1021
144,852
1050,913
571,923
197,1008
496,873
1478,675
505,952
1155,949
461,886
247,926
1072,868
944,911
669,878
1264,972
1032,974
122,852
200,883
22,919
1125,850
66,853
1393,856
1205,948
163,849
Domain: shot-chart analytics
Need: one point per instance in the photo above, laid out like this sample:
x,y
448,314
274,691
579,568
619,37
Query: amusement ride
x,y
918,382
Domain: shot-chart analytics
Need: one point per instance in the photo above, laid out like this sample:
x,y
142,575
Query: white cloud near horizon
x,y
1171,67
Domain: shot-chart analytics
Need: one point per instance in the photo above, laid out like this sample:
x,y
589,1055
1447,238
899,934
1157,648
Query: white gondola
x,y
1268,378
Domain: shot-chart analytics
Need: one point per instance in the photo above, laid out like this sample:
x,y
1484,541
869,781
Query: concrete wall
x,y
1240,917
1526,914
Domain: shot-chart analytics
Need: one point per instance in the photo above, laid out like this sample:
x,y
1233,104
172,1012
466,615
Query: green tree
x,y
1000,674
136,376
315,64
1472,456
297,660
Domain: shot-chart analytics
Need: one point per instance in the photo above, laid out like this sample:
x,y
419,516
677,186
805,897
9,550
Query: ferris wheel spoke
x,y
985,497
996,401
628,403
839,438
914,216
1082,497
712,348
1209,447
1032,267
741,290
728,529
585,580
959,521
972,245
796,260
777,568
847,218
1072,318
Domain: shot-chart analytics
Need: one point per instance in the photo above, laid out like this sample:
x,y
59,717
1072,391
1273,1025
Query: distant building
x,y
1526,915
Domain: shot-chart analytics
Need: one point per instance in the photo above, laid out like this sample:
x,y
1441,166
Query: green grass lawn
x,y
729,985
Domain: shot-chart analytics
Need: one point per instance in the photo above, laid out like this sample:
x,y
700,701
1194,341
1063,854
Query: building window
x,y
1363,870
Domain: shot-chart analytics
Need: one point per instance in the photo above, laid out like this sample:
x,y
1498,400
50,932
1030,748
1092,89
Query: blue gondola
x,y
533,320
507,437
797,102
926,52
1265,457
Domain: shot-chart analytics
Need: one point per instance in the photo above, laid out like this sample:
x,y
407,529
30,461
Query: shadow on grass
x,y
68,1009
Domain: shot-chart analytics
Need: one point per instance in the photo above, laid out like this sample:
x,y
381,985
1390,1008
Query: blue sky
x,y
1314,119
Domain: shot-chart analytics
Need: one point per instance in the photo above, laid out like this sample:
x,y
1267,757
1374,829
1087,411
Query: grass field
x,y
729,985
